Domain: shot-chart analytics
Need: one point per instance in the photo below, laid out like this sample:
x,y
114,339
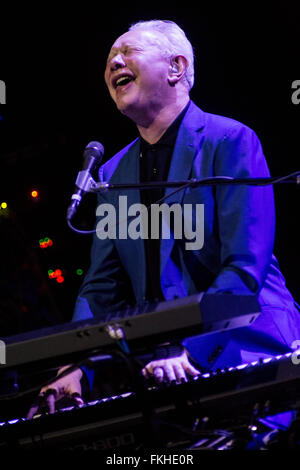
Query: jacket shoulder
x,y
222,127
215,125
107,170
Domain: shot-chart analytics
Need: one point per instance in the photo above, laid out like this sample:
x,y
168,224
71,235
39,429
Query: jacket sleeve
x,y
245,214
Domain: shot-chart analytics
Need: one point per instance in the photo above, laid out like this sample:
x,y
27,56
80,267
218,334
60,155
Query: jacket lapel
x,y
181,165
132,252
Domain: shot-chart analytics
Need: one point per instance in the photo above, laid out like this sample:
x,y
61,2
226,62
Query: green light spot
x,y
79,272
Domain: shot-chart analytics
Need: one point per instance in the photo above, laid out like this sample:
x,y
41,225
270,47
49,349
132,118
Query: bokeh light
x,y
34,194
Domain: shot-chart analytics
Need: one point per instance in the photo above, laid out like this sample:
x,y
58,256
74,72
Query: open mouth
x,y
123,81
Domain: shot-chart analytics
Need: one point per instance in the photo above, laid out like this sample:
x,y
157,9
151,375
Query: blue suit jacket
x,y
239,227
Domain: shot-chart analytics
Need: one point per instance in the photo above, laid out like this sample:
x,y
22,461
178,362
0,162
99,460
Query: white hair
x,y
178,43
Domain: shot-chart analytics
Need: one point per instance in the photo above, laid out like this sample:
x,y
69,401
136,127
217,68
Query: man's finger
x,y
158,373
190,369
32,411
169,372
180,373
77,398
50,397
35,407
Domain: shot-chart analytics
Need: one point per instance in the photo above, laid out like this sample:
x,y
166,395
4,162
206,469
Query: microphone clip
x,y
85,181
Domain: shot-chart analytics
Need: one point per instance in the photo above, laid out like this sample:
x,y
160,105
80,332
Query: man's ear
x,y
177,69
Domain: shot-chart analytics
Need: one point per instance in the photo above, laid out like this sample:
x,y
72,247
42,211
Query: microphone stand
x,y
88,184
293,178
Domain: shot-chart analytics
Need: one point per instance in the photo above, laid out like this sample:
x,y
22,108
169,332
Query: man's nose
x,y
117,62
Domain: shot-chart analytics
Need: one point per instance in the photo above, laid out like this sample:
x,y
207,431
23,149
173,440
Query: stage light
x,y
45,242
3,205
34,194
79,272
57,274
51,274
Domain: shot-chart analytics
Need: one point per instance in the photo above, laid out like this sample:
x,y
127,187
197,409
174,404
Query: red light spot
x,y
57,272
60,279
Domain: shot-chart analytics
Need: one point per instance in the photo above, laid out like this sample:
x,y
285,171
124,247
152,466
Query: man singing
x,y
149,74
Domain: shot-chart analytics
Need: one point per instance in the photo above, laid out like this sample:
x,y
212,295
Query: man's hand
x,y
173,369
68,386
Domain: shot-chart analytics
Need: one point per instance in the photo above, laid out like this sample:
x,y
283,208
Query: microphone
x,y
92,155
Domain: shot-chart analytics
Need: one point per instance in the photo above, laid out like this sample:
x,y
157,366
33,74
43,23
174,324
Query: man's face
x,y
136,74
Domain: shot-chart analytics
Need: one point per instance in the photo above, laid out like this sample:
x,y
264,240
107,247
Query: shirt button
x,y
154,171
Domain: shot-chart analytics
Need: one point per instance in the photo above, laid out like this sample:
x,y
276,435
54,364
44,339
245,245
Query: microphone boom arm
x,y
217,180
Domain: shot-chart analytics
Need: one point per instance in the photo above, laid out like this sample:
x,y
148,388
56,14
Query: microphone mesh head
x,y
96,145
95,150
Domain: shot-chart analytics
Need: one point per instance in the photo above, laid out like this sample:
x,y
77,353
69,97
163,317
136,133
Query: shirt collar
x,y
169,136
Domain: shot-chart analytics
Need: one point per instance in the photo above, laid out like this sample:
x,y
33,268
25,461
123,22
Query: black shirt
x,y
154,166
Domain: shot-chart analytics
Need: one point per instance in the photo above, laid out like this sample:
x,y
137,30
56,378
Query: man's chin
x,y
134,110
122,105
128,109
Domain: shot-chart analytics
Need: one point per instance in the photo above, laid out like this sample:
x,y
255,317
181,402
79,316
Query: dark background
x,y
52,62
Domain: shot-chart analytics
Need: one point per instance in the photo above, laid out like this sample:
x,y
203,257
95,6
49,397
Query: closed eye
x,y
126,50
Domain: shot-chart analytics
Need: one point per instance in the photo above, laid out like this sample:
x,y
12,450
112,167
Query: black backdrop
x,y
52,62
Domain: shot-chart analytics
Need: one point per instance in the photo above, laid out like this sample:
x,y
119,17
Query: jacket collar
x,y
185,149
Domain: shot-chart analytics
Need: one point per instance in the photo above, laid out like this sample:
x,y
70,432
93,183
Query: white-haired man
x,y
149,74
